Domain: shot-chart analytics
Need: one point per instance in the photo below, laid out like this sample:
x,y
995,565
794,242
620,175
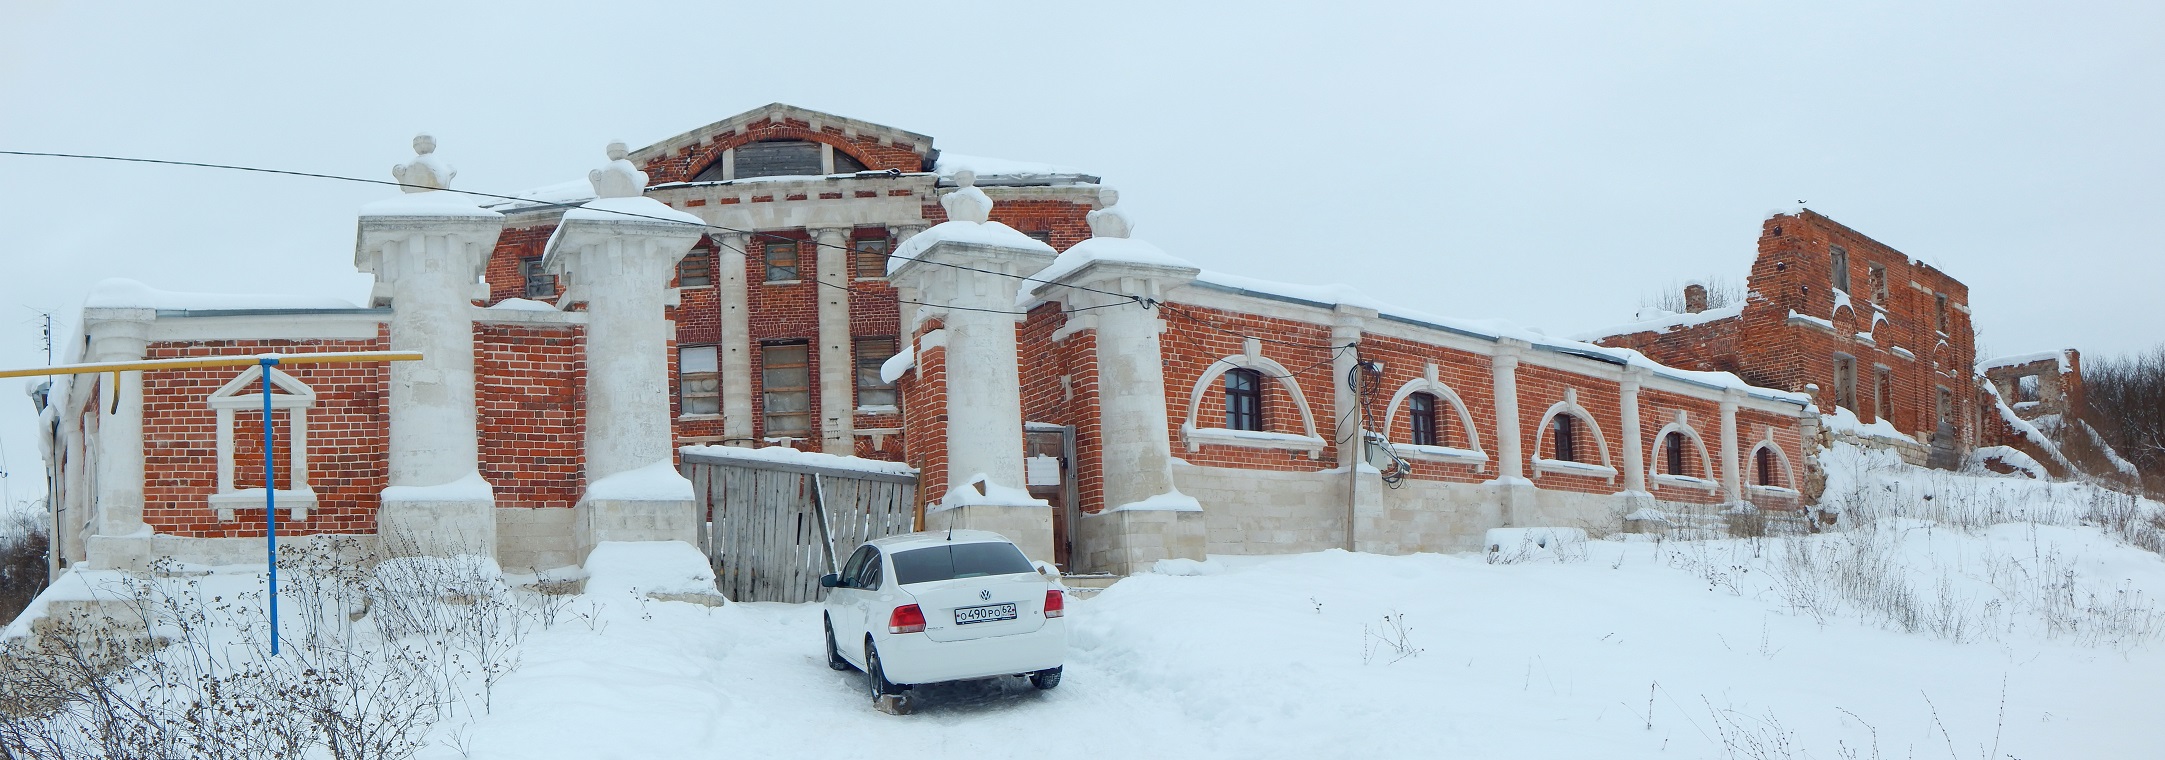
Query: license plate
x,y
985,614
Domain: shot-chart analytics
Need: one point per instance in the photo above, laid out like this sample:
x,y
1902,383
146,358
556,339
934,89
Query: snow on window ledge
x,y
1253,439
1561,467
1774,491
698,417
1660,479
297,503
880,409
782,282
1440,453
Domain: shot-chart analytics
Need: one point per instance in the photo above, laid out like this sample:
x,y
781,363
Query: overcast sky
x,y
1555,165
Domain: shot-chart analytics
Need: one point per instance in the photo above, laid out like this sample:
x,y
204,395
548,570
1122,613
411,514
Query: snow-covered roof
x,y
2020,359
1124,250
431,203
787,455
1662,320
1327,296
991,171
122,293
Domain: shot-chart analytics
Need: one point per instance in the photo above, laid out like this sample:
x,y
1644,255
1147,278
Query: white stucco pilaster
x,y
117,335
735,353
1503,368
1732,486
1634,455
837,374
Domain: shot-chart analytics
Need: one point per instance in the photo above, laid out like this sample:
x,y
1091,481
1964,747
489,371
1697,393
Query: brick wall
x,y
1466,374
530,387
1541,387
1060,386
1196,338
347,430
505,273
690,160
924,413
1656,410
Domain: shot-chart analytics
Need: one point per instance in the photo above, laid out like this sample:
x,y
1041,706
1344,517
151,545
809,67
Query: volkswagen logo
x,y
984,593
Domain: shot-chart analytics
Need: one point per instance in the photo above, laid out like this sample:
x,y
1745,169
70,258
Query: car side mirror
x,y
830,580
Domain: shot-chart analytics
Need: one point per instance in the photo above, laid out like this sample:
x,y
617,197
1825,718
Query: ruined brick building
x,y
794,278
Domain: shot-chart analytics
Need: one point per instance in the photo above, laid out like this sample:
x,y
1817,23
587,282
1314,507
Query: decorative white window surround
x,y
1561,467
880,409
1751,460
1254,439
1679,425
1251,358
1774,491
1428,383
1682,481
245,392
1570,405
1440,454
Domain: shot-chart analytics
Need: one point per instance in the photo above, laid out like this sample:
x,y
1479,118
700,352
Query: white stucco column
x,y
619,251
1634,456
118,335
1361,492
1513,493
736,334
985,488
837,373
427,250
1145,517
1732,486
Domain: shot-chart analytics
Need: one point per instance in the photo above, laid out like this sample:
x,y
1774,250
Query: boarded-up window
x,y
1672,449
870,257
699,380
872,390
1883,395
778,158
781,260
1939,312
1878,281
697,269
1845,382
1841,268
786,388
1946,406
539,283
1243,400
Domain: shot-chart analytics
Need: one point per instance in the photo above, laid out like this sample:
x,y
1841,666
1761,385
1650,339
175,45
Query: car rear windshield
x,y
941,563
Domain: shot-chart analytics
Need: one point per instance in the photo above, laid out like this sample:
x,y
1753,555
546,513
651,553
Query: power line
x,y
514,198
900,300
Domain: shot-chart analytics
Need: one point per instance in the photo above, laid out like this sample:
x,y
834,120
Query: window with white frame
x,y
699,380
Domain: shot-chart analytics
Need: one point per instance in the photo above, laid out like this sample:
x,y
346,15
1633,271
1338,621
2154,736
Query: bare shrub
x,y
1390,638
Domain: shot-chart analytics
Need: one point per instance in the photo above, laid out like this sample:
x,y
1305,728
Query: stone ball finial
x,y
967,204
617,179
426,171
1108,221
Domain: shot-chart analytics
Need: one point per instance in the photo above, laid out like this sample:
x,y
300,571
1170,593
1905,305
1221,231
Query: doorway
x,y
1049,469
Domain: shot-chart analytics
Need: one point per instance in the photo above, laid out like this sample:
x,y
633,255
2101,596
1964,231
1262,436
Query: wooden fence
x,y
773,528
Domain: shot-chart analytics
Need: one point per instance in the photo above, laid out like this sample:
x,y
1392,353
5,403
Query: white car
x,y
939,606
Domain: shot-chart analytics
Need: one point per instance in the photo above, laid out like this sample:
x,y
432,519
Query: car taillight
x,y
906,619
1055,603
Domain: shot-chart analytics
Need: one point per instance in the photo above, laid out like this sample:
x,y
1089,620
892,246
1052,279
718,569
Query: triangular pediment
x,y
779,113
245,391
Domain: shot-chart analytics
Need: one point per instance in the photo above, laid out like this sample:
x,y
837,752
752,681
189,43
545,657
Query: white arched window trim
x,y
1570,406
246,392
1654,475
1472,455
1789,473
1254,439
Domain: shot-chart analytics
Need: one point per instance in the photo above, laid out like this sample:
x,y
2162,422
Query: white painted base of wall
x,y
138,553
1030,527
597,520
437,527
531,539
1131,541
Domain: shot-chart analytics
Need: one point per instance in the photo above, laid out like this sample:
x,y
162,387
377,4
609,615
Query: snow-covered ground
x,y
1956,615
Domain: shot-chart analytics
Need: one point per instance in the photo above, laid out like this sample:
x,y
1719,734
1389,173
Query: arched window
x,y
1427,429
778,158
1566,439
1765,464
1243,400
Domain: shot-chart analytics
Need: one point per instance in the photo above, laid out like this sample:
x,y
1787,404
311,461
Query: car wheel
x,y
876,675
1047,678
834,656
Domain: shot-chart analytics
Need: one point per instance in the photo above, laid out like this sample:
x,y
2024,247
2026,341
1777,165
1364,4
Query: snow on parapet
x,y
621,188
470,488
787,455
1845,421
659,481
952,164
123,293
617,179
1108,220
647,567
1662,320
1170,501
2020,359
425,171
978,489
967,204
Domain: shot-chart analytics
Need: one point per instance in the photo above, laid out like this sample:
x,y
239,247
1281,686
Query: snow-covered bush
x,y
372,655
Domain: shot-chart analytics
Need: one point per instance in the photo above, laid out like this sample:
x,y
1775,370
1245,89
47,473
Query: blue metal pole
x,y
270,494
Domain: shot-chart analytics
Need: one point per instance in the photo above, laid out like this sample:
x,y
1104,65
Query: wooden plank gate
x,y
773,528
